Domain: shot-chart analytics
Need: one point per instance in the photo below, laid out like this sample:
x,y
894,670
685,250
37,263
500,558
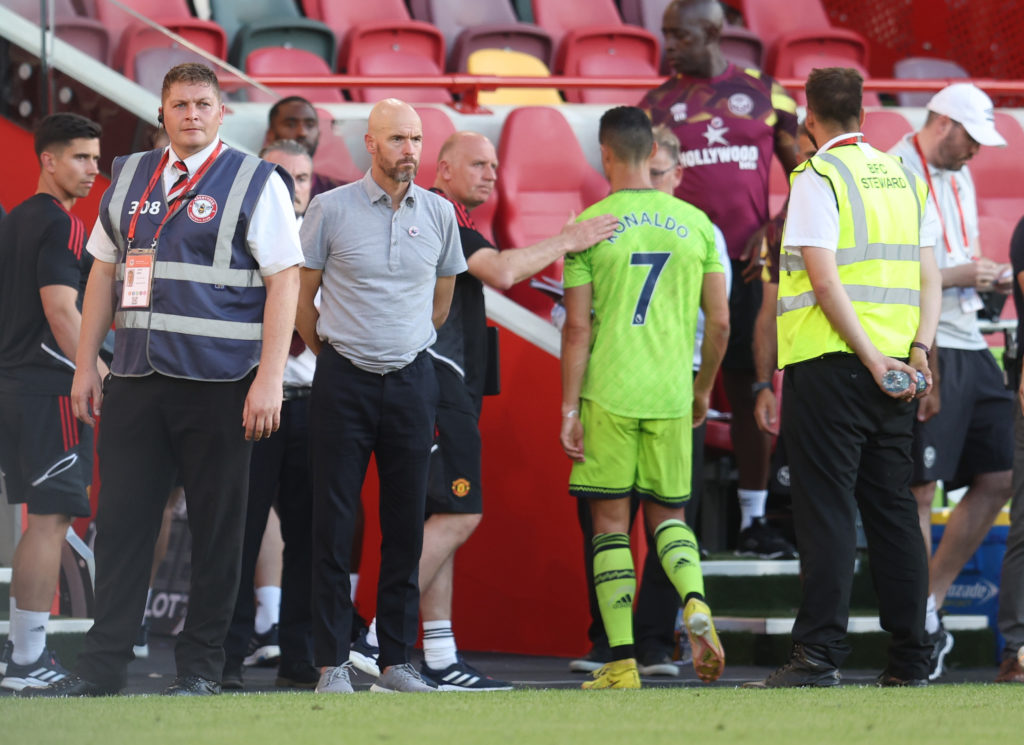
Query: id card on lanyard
x,y
140,263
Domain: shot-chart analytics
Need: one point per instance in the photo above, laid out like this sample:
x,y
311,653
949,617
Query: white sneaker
x,y
335,679
364,656
401,679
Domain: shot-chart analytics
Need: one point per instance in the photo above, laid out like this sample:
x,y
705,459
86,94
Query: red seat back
x,y
997,172
291,61
883,128
543,179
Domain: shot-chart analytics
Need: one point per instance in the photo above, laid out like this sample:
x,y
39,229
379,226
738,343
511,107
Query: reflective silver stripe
x,y
857,294
117,197
142,319
854,198
231,210
912,180
847,256
204,274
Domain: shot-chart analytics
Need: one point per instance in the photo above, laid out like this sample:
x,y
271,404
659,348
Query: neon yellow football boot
x,y
708,656
615,674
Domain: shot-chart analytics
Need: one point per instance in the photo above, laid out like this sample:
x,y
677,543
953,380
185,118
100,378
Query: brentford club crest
x,y
202,208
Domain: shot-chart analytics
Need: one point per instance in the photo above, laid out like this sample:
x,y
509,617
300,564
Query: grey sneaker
x,y
335,679
401,679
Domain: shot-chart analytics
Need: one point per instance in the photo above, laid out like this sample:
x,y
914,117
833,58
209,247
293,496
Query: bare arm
x,y
931,307
838,309
575,355
444,289
307,315
502,269
261,414
766,359
715,304
97,315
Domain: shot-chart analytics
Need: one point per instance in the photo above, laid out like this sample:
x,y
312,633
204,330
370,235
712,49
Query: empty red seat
x,y
372,28
469,25
332,158
149,66
997,172
396,52
543,179
793,29
883,128
285,61
129,35
593,28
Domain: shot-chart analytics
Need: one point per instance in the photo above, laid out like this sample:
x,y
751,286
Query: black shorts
x,y
973,431
453,486
744,305
45,455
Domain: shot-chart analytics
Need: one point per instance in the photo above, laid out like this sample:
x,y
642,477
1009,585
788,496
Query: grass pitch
x,y
936,715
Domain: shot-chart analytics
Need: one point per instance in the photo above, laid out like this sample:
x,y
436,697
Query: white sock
x,y
438,645
353,580
268,607
752,502
931,616
28,634
371,633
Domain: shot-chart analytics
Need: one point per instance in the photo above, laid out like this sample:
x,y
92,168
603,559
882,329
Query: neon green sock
x,y
615,585
678,554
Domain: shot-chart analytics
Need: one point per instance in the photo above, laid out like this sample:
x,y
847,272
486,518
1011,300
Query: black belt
x,y
291,394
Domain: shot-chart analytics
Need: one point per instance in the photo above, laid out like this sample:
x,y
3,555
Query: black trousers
x,y
849,447
355,413
152,429
657,601
279,470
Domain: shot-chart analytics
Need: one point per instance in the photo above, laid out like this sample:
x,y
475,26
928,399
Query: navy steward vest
x,y
205,320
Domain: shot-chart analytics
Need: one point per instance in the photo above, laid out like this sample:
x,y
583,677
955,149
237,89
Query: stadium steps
x,y
755,604
64,635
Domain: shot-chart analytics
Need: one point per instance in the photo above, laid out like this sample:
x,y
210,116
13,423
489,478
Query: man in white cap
x,y
964,429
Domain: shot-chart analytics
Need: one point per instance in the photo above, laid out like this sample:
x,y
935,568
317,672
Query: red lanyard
x,y
851,140
175,203
956,196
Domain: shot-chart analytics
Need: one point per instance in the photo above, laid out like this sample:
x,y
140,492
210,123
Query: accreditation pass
x,y
138,278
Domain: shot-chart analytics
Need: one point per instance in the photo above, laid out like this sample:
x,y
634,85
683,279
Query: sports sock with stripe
x,y
28,634
677,551
615,586
439,649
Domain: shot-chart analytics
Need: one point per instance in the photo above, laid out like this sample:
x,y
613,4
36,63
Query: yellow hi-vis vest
x,y
878,257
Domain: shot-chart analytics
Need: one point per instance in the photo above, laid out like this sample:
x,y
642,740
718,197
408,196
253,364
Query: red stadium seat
x,y
332,158
129,35
285,61
469,25
148,66
793,29
87,35
742,47
377,28
543,179
813,53
397,51
883,128
997,172
437,127
593,28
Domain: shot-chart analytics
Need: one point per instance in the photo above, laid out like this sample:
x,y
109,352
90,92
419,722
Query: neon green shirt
x,y
647,281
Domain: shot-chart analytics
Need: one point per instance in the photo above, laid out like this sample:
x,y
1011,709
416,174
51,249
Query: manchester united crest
x,y
202,208
460,487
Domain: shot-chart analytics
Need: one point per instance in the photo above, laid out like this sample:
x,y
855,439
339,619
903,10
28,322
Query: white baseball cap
x,y
967,104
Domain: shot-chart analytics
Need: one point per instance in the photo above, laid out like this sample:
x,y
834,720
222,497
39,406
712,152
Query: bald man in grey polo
x,y
386,278
379,267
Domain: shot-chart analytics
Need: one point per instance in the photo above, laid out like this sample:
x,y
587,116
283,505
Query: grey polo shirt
x,y
379,269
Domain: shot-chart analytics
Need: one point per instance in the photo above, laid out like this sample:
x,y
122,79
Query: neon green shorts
x,y
651,457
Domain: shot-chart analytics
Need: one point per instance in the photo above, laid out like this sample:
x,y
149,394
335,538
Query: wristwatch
x,y
756,388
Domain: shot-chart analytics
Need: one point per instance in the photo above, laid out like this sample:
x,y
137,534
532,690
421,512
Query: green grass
x,y
937,715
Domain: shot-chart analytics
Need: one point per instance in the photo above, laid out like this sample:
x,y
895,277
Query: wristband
x,y
921,346
570,414
758,387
